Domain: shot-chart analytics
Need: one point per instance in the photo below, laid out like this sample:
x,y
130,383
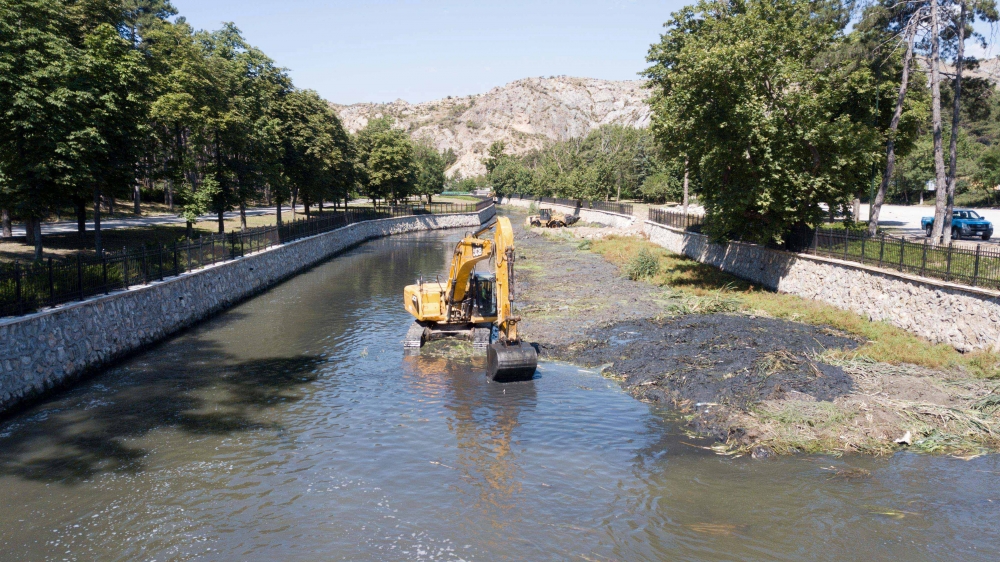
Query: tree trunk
x,y
243,215
98,244
890,160
306,205
7,231
81,218
189,230
955,117
38,239
295,198
111,205
941,191
684,200
29,231
321,206
222,222
137,199
279,213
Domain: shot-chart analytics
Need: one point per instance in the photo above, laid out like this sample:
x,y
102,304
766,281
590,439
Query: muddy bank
x,y
755,384
562,291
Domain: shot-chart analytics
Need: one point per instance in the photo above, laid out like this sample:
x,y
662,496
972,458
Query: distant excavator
x,y
548,219
475,306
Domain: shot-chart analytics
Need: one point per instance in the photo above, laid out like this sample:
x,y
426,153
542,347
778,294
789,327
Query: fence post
x,y
17,287
159,258
881,249
947,273
125,267
847,242
902,250
923,262
864,238
52,286
104,272
175,259
79,274
975,271
145,267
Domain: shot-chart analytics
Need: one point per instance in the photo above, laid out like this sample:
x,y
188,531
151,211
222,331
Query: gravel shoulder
x,y
753,384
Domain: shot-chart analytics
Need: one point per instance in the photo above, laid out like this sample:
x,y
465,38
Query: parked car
x,y
964,223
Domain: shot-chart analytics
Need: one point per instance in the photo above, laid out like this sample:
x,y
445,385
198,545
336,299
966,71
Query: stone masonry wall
x,y
50,348
590,215
966,318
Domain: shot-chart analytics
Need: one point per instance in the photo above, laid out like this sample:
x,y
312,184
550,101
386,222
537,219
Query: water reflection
x,y
484,418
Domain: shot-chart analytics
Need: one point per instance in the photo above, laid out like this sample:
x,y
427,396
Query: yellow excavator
x,y
475,306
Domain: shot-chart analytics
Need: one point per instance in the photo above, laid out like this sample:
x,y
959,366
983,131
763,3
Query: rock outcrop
x,y
524,114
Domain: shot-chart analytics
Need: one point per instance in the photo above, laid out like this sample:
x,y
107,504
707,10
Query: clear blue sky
x,y
381,50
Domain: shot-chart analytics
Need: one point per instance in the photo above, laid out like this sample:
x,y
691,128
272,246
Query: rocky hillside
x,y
524,114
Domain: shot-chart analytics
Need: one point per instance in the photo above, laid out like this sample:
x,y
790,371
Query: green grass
x,y
696,287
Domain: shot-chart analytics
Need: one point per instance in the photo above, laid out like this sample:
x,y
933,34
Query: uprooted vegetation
x,y
762,372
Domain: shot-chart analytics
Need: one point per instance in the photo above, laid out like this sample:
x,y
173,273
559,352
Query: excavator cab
x,y
484,296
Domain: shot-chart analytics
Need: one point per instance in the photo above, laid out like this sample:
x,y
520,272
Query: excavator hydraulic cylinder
x,y
511,362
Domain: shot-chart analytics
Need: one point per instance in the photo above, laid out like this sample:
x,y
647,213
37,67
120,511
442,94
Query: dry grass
x,y
696,287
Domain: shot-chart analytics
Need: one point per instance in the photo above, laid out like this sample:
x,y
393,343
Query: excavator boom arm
x,y
504,240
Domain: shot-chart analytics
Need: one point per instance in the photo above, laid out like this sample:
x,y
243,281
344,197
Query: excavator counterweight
x,y
475,306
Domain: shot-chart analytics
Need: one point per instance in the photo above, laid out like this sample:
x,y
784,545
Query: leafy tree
x,y
36,106
496,152
431,165
111,110
385,161
774,124
197,202
509,176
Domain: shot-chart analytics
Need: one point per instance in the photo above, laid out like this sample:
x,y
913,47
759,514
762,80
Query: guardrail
x,y
611,207
28,287
676,219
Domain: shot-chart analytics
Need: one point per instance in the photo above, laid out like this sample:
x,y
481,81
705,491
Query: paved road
x,y
905,219
110,224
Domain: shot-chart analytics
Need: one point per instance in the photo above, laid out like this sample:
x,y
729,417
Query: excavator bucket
x,y
511,362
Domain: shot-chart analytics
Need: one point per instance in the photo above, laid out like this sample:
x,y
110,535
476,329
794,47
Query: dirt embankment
x,y
758,385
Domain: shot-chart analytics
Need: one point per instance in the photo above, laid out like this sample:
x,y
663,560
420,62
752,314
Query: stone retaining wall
x,y
41,351
966,318
589,215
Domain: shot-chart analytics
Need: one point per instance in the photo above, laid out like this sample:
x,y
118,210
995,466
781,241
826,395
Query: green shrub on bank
x,y
643,265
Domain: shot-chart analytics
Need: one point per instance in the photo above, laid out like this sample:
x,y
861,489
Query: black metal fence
x,y
979,266
611,207
676,219
27,287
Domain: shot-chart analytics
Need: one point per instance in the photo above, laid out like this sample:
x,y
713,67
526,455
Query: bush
x,y
643,265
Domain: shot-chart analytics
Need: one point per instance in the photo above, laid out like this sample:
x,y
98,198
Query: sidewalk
x,y
63,227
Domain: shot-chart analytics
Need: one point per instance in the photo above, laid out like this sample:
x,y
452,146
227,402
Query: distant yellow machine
x,y
548,219
475,306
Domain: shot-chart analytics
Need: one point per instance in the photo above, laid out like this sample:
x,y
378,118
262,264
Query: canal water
x,y
293,428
